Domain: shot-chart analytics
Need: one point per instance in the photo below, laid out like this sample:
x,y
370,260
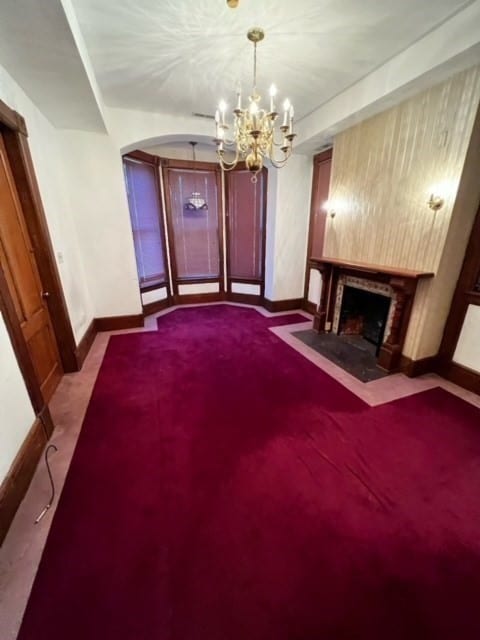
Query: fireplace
x,y
364,313
369,300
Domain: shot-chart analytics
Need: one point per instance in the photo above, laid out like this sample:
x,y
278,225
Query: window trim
x,y
241,166
155,162
165,166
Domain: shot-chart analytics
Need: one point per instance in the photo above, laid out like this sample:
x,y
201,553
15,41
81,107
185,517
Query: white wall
x,y
16,413
314,287
131,129
467,352
183,151
98,200
287,228
46,154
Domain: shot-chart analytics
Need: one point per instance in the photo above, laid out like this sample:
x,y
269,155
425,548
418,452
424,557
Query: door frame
x,y
15,136
466,294
323,156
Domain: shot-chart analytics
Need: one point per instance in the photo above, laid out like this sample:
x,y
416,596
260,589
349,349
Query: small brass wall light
x,y
435,202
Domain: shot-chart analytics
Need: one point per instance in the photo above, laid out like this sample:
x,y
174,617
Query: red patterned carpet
x,y
224,488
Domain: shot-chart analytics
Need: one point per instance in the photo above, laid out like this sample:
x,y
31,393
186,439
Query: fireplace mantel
x,y
402,281
371,268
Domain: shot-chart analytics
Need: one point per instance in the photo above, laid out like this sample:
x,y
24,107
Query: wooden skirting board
x,y
415,368
462,376
282,305
116,323
17,480
85,343
155,307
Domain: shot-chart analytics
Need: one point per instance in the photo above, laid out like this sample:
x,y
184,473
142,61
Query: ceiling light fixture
x,y
233,4
253,127
195,202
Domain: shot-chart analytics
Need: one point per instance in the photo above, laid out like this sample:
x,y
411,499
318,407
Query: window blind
x,y
146,219
195,231
245,225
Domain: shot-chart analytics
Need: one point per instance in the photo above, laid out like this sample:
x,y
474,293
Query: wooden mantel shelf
x,y
371,268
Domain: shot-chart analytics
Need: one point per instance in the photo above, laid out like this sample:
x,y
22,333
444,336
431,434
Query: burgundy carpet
x,y
224,488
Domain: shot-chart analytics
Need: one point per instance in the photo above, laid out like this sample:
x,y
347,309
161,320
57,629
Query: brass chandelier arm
x,y
227,166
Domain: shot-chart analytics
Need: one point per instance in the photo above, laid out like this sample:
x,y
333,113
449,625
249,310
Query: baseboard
x,y
117,323
245,298
414,368
85,343
17,481
464,377
282,305
309,307
155,307
199,298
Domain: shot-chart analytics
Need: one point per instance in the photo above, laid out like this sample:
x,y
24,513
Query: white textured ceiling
x,y
181,56
38,49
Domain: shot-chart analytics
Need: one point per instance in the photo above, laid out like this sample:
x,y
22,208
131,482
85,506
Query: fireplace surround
x,y
395,284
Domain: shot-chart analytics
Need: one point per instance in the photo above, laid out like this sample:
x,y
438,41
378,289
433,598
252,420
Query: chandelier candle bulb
x,y
253,112
286,112
273,93
223,107
290,124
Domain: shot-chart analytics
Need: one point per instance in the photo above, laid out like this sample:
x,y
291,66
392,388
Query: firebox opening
x,y
365,314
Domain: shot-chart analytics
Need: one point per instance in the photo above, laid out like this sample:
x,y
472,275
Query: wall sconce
x,y
233,4
435,202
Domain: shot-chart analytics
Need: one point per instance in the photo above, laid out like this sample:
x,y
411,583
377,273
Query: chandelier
x,y
195,202
254,135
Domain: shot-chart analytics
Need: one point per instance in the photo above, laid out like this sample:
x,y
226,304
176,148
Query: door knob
x,y
45,295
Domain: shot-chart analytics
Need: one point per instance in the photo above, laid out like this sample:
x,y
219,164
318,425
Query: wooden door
x,y
17,260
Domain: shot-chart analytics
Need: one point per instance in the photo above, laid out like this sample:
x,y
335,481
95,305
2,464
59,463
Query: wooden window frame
x,y
155,161
241,166
165,165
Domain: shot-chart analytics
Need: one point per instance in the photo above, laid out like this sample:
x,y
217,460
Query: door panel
x,y
17,260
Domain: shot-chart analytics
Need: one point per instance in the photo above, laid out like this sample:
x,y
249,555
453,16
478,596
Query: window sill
x,y
151,286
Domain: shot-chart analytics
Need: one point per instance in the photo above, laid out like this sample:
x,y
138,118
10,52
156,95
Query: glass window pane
x,y
245,225
145,216
195,231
